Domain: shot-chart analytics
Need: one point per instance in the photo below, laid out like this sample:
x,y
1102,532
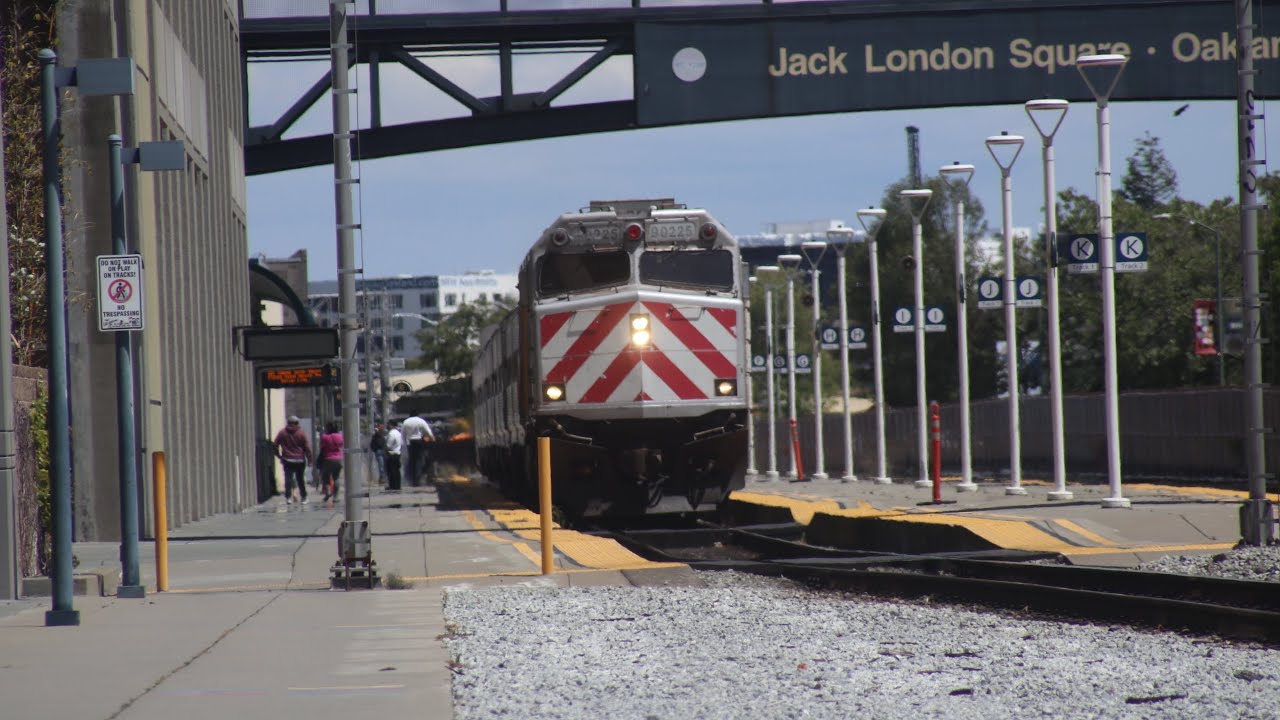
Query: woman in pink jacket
x,y
329,460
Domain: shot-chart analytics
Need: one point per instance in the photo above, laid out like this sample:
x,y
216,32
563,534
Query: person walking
x,y
329,460
416,434
395,444
294,449
378,446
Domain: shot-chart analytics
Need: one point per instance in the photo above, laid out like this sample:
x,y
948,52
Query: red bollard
x,y
935,431
795,448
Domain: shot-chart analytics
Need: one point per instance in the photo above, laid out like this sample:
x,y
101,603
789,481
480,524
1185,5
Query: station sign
x,y
990,293
1131,252
1080,252
935,319
903,320
829,337
1030,291
804,364
759,363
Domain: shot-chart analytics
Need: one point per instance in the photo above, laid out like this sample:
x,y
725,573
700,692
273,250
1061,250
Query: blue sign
x,y
1131,252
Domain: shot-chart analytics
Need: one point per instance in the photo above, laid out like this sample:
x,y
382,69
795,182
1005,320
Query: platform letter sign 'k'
x,y
1131,252
1080,251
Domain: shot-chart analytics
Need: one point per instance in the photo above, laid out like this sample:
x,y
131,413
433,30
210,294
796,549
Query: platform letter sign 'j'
x,y
119,292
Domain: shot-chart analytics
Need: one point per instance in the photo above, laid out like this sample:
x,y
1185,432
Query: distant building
x,y
397,305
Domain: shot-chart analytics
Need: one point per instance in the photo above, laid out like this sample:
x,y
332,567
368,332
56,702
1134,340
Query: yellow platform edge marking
x,y
802,510
1083,532
592,553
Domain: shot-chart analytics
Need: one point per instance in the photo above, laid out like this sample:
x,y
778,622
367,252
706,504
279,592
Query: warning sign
x,y
119,292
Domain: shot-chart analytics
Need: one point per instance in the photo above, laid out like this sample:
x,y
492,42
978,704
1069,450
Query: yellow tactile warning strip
x,y
591,553
1006,532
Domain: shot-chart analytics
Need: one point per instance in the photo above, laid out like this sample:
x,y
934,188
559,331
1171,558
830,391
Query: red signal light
x,y
635,231
708,231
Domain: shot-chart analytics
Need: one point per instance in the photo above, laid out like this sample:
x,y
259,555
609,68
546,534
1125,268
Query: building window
x,y
450,299
375,302
397,343
395,302
375,323
427,300
397,323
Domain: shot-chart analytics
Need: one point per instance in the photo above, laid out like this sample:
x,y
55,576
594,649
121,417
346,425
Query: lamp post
x,y
751,418
770,270
840,239
1100,73
1218,326
1004,149
790,265
962,173
917,201
1046,116
871,220
813,252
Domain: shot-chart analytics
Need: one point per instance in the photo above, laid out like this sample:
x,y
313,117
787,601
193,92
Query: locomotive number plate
x,y
671,231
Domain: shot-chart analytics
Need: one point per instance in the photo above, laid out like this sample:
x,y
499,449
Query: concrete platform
x,y
1161,520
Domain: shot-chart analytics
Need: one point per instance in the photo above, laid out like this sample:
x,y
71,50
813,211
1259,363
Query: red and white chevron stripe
x,y
590,351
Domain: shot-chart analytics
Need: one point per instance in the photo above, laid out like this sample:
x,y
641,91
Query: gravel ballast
x,y
744,646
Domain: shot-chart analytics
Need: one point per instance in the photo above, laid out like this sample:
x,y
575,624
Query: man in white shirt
x,y
416,435
395,444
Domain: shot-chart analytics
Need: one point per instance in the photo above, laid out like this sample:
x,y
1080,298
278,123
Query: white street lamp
x,y
917,201
790,266
1047,117
871,220
962,173
840,239
751,417
813,252
1004,149
772,472
1101,73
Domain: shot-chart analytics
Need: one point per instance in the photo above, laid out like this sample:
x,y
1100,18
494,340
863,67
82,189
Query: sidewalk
x,y
250,628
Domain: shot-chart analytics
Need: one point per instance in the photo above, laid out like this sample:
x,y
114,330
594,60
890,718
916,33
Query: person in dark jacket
x,y
294,450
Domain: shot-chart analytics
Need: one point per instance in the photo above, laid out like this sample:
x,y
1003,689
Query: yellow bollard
x,y
544,502
162,522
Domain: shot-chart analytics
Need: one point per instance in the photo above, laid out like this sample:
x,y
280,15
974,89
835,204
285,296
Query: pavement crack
x,y
159,681
1203,534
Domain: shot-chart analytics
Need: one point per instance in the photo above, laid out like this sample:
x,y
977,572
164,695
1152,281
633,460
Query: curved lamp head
x,y
1004,149
813,250
789,263
964,173
916,200
1046,114
840,238
871,219
1101,73
768,270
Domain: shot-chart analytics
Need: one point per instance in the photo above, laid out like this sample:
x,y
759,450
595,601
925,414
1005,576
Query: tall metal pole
x,y
871,220
840,239
1054,111
126,445
1004,149
1112,66
351,543
10,574
917,201
59,439
1257,518
813,252
1217,312
751,416
791,362
965,174
772,472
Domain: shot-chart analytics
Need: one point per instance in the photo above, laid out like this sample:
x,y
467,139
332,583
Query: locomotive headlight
x,y
553,391
640,336
726,388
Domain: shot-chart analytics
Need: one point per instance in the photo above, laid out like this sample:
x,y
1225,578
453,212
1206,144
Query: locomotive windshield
x,y
693,268
560,273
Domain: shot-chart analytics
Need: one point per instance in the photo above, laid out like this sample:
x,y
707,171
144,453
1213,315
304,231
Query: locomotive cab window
x,y
694,268
576,272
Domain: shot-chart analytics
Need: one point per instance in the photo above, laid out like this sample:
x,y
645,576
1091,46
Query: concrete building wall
x,y
194,392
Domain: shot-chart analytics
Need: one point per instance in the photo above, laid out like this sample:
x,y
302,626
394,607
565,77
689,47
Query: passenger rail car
x,y
626,349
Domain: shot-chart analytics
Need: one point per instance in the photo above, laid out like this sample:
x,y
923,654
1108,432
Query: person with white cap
x,y
294,450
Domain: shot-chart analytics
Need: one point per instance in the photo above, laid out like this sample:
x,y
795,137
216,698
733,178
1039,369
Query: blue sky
x,y
480,208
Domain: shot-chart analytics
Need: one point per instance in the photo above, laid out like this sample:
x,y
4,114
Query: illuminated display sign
x,y
298,377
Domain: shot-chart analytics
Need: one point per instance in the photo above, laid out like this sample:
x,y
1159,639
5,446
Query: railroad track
x,y
1238,609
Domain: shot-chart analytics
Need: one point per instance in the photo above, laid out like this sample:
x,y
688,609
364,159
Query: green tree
x,y
450,345
1150,180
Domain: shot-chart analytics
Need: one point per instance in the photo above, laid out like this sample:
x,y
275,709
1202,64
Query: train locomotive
x,y
627,350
